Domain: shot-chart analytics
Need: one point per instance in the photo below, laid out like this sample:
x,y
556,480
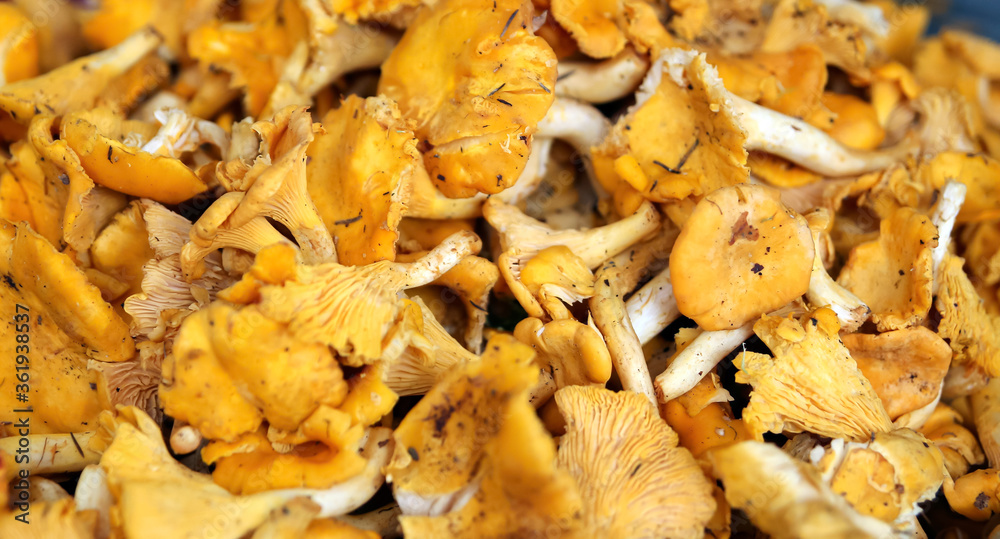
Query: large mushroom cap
x,y
811,384
476,81
742,253
634,480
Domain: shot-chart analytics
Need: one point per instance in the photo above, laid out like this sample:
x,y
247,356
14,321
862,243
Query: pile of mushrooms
x,y
497,268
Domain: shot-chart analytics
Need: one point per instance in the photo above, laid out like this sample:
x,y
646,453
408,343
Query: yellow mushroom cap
x,y
742,253
574,353
905,367
476,82
787,498
359,174
682,99
634,480
441,441
893,275
811,384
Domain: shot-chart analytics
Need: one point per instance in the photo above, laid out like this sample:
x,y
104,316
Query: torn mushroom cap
x,y
255,368
789,82
76,85
742,253
893,275
787,498
634,480
475,109
138,466
958,445
322,452
124,168
574,353
794,22
809,360
251,53
906,367
709,152
276,185
359,174
442,441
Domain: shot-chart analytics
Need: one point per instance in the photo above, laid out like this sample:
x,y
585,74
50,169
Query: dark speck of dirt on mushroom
x,y
413,454
758,269
982,501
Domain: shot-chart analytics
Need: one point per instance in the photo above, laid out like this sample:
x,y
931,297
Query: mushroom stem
x,y
612,319
51,453
601,82
653,307
950,200
442,258
383,521
695,361
801,143
578,123
184,438
92,492
825,292
352,48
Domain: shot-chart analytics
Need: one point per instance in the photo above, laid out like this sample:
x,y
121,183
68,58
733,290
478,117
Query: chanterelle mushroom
x,y
740,254
634,480
811,384
787,498
76,85
303,319
275,183
885,477
906,367
894,274
359,173
64,322
476,81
